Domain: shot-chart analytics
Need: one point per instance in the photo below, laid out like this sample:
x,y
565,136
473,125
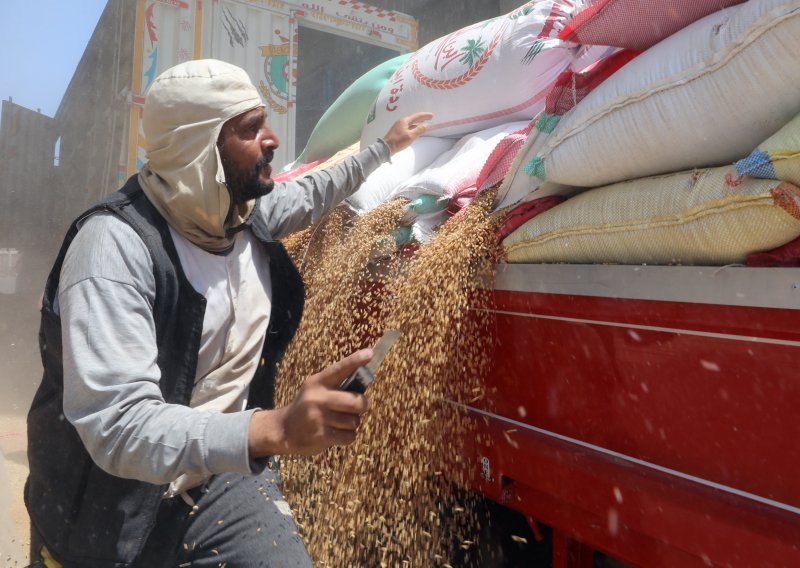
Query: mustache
x,y
264,160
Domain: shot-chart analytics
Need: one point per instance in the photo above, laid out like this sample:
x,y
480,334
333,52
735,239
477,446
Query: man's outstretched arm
x,y
294,205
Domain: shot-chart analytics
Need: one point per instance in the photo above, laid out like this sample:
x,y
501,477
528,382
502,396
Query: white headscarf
x,y
183,114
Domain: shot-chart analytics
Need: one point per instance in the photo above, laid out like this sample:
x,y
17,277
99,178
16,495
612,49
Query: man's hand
x,y
319,417
406,130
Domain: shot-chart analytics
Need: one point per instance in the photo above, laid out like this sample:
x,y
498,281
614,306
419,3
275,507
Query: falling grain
x,y
407,458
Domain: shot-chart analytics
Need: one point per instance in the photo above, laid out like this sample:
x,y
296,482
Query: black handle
x,y
358,381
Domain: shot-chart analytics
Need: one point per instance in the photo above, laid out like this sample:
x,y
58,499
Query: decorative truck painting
x,y
259,35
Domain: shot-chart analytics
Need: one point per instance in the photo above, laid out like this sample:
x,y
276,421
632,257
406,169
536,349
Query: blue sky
x,y
41,43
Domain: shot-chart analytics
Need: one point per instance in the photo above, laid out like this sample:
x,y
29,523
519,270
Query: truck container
x,y
261,36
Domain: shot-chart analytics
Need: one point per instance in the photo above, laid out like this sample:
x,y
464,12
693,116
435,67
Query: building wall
x,y
27,152
41,192
93,115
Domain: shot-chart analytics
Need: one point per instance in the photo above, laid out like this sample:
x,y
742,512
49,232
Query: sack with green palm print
x,y
481,76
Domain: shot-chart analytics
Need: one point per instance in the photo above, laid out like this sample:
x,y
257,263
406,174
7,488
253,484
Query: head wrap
x,y
184,111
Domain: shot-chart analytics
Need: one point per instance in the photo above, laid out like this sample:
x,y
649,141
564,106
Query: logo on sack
x,y
473,53
394,92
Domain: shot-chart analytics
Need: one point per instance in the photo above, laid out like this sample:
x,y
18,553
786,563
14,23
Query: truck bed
x,y
648,412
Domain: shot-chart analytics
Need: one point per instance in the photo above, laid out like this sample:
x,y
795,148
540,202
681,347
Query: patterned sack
x,y
703,217
490,73
458,168
499,161
636,24
569,88
493,171
777,158
704,96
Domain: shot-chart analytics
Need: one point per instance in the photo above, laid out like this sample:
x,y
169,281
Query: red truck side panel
x,y
661,432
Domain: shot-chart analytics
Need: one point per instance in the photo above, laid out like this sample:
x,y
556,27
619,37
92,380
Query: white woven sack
x,y
453,171
483,75
704,96
458,168
381,183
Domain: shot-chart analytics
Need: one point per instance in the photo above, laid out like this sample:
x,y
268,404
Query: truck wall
x,y
647,411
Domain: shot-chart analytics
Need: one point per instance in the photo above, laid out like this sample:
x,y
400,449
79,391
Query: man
x,y
163,320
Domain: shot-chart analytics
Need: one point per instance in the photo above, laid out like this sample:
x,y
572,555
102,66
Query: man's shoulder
x,y
106,229
107,247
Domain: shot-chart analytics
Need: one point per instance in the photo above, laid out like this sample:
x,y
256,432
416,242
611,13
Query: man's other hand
x,y
406,130
319,417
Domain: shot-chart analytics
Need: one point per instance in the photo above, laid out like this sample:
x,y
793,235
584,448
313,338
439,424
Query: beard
x,y
247,185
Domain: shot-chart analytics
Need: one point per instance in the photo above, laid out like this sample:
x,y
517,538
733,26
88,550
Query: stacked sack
x,y
431,190
483,84
481,76
702,98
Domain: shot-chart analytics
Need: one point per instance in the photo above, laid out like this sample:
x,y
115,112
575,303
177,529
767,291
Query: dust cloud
x,y
21,373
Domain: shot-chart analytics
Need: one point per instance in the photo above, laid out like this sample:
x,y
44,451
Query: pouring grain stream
x,y
390,497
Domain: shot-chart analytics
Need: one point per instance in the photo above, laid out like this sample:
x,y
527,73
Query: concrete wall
x,y
94,112
41,193
440,17
27,152
508,5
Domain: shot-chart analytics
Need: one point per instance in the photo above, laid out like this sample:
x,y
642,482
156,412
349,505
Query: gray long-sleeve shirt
x,y
106,296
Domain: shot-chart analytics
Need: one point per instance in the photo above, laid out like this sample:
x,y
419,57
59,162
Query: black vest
x,y
84,515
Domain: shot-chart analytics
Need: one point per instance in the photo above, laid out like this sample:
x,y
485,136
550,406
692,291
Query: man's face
x,y
246,145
